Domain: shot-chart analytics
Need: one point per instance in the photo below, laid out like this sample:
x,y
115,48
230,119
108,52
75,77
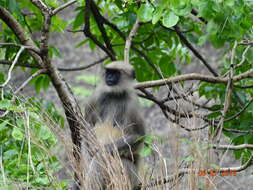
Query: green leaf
x,y
157,15
2,78
78,20
41,81
53,51
230,3
216,107
17,134
5,104
81,43
183,11
38,83
148,139
214,115
12,5
167,67
170,19
189,159
146,151
145,12
44,133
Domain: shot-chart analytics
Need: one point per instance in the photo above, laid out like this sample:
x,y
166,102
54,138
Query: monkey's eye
x,y
112,77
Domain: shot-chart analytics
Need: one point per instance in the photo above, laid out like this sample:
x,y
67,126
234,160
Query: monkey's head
x,y
118,77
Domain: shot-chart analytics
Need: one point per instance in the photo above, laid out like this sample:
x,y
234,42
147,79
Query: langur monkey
x,y
113,115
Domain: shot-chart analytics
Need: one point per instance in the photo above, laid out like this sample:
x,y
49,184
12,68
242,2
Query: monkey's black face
x,y
112,77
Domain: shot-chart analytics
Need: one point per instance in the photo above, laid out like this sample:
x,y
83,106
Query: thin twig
x,y
247,43
41,5
87,32
240,112
129,40
60,8
238,131
243,87
12,66
228,94
243,57
231,147
19,45
194,51
22,87
96,13
80,68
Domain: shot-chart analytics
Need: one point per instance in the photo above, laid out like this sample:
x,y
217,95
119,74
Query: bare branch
x,y
41,5
129,40
228,94
12,66
246,42
194,76
231,147
167,109
238,131
243,87
87,32
243,57
37,73
5,62
195,13
99,21
60,8
19,45
149,61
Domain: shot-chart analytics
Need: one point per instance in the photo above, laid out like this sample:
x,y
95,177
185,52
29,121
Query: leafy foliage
x,y
26,143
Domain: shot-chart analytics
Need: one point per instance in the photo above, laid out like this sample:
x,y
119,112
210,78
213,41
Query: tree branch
x,y
129,40
246,42
60,8
41,5
87,32
228,94
194,76
99,21
231,147
240,112
19,32
12,66
194,51
5,62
